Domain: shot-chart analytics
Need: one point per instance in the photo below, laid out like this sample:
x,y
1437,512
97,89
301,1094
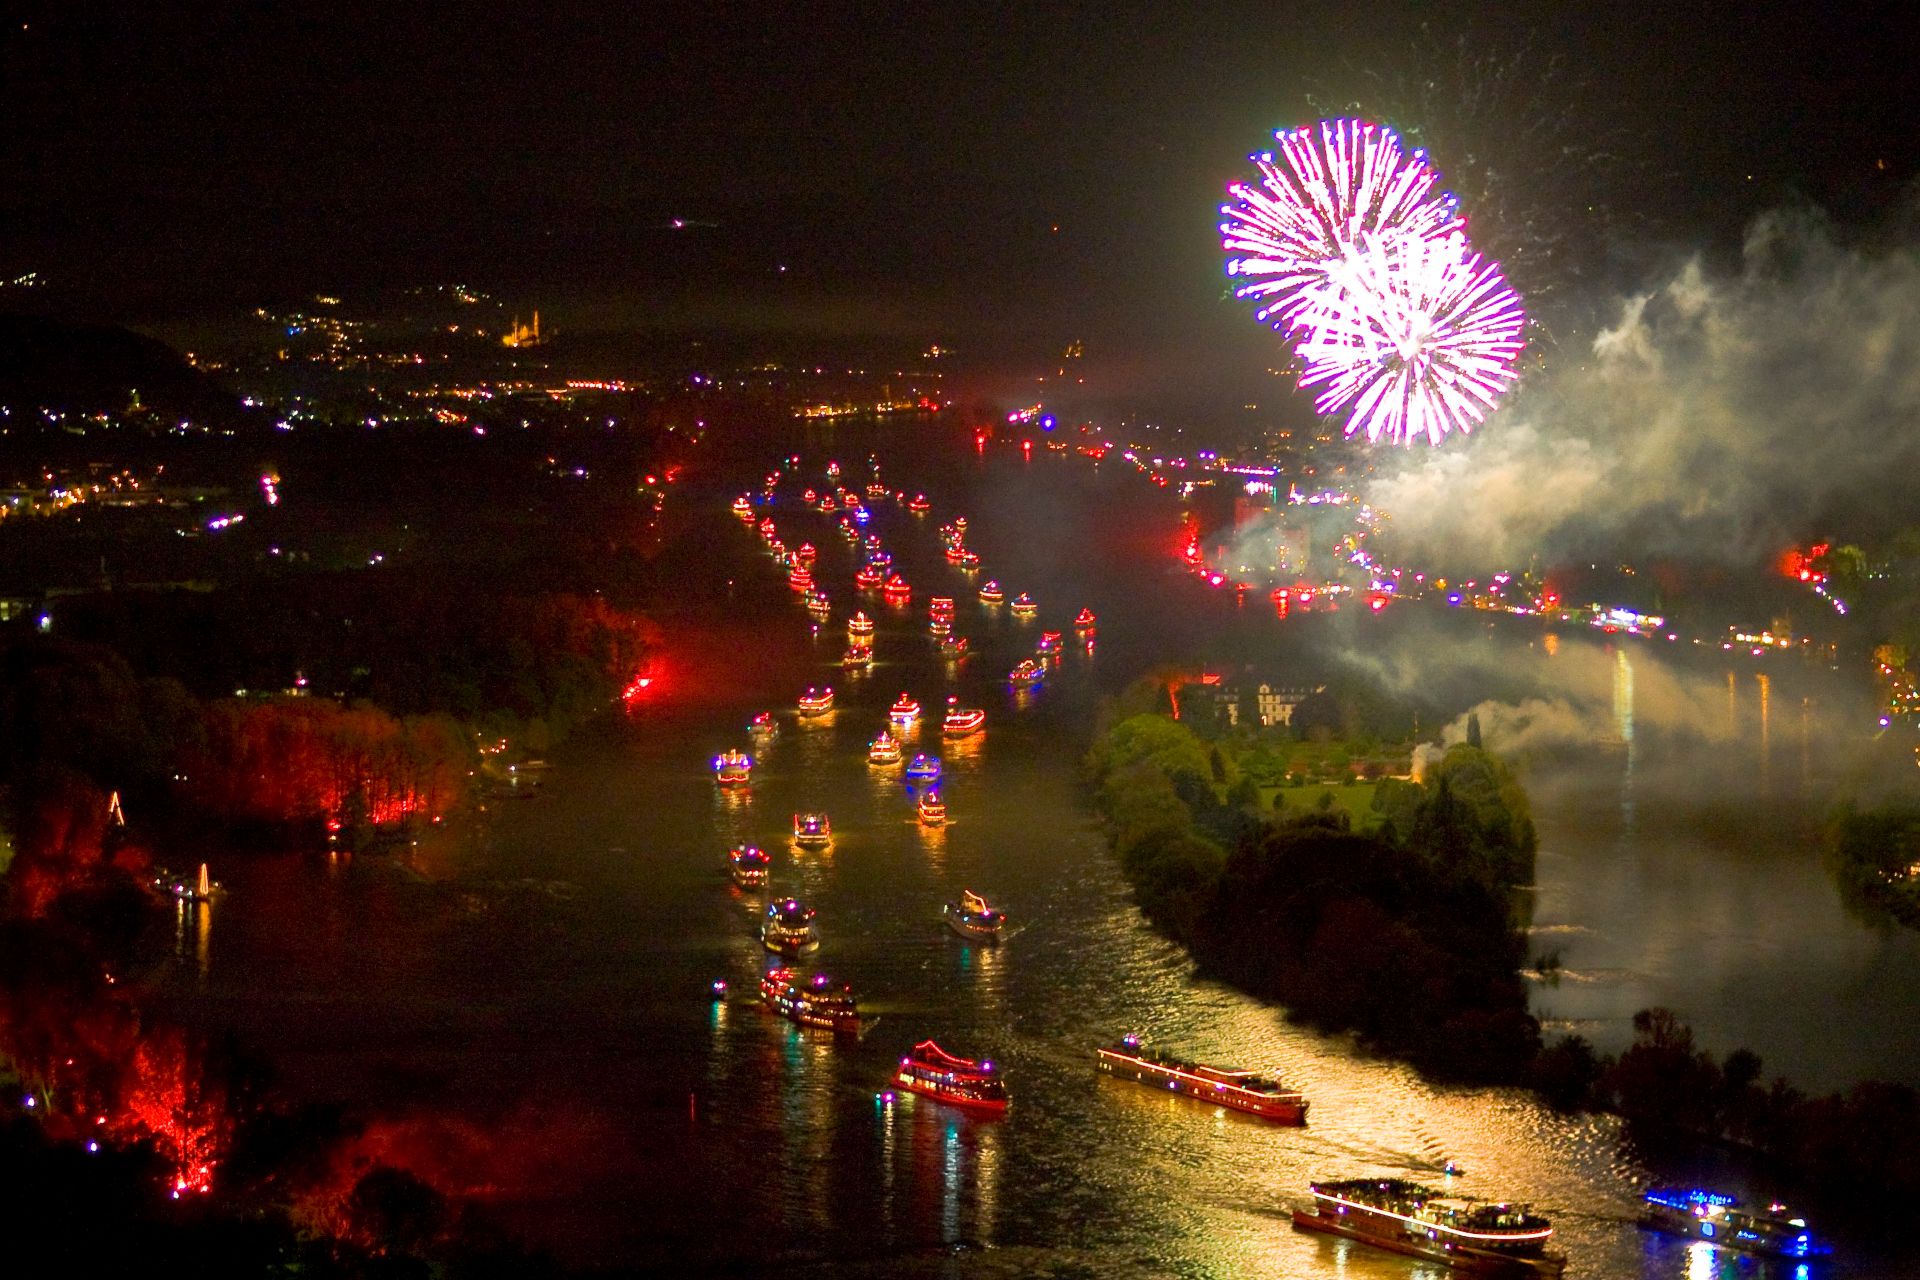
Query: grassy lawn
x,y
1355,797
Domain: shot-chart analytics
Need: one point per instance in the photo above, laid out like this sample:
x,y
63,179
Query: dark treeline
x,y
1405,933
1408,934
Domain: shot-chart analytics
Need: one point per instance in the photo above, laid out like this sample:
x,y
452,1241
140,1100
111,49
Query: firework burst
x,y
1352,249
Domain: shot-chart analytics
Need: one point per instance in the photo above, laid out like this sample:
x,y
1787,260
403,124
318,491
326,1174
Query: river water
x,y
535,1006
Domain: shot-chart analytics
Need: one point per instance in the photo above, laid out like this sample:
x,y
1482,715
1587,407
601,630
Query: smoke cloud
x,y
1722,415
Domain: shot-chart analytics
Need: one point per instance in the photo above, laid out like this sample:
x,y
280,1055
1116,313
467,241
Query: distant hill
x,y
87,369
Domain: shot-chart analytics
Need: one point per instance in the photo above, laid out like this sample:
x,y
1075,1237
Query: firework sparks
x,y
1355,253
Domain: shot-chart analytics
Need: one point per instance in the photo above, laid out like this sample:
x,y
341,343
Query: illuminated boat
x,y
884,749
876,491
858,657
1026,672
933,810
991,593
197,888
812,830
1023,606
955,552
804,555
732,767
923,769
969,560
1407,1218
1083,621
828,506
941,607
1720,1219
960,1082
882,558
919,505
859,629
952,646
833,469
1219,1086
787,928
960,524
974,918
896,590
818,604
869,577
766,529
962,720
817,1002
743,507
800,578
903,712
940,626
816,702
750,866
763,725
1049,642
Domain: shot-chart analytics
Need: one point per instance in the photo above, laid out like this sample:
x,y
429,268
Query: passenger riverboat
x,y
1026,673
882,558
954,552
763,725
816,702
1049,643
990,593
960,524
732,768
961,720
869,577
858,657
933,810
941,607
938,626
766,529
896,590
960,1082
1083,621
973,918
877,492
884,749
1220,1086
924,769
817,1002
969,561
749,866
812,830
800,578
903,712
919,505
787,928
743,507
952,646
1407,1218
1023,606
818,605
804,555
860,628
1720,1219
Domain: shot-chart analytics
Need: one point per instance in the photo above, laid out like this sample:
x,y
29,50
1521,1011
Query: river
x,y
539,998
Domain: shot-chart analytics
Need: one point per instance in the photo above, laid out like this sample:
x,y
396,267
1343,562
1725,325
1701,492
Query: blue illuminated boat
x,y
924,769
1720,1219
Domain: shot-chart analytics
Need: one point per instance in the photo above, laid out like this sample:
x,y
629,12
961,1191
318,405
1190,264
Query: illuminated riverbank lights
x,y
1350,248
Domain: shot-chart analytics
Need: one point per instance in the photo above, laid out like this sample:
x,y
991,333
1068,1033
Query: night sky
x,y
907,165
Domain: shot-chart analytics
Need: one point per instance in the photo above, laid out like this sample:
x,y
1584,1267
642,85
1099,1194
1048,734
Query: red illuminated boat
x,y
818,605
1083,621
1026,673
941,607
903,712
1219,1086
962,720
817,1002
1403,1217
766,529
743,507
952,646
869,577
816,702
897,591
800,579
884,749
919,505
1049,642
732,767
750,865
959,1082
1023,606
939,626
933,811
860,629
858,657
992,594
805,555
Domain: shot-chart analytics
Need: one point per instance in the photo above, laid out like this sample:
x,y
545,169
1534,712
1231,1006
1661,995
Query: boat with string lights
x,y
858,657
787,928
767,529
869,577
732,768
903,712
896,590
763,725
804,555
743,507
938,626
1023,606
1476,1236
968,560
812,830
1219,1086
952,646
1721,1220
961,1082
924,769
974,918
818,605
933,810
941,607
919,505
860,628
1049,643
1026,673
817,1002
800,578
816,702
884,749
961,721
1083,621
749,866
990,593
